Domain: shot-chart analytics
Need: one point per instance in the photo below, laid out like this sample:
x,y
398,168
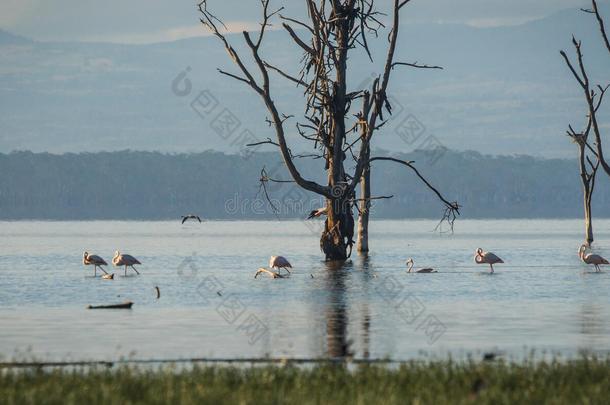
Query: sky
x,y
147,21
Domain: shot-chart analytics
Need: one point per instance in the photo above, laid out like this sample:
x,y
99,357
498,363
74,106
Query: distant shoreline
x,y
147,186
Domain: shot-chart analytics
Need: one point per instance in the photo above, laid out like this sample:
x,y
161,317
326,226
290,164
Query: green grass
x,y
438,382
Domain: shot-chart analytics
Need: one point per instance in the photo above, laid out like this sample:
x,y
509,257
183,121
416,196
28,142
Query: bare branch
x,y
234,76
302,24
453,207
268,141
600,22
298,40
381,197
574,73
286,75
583,80
416,65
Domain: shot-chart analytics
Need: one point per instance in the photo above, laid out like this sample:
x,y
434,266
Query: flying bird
x,y
108,276
590,258
424,270
94,260
318,212
481,257
191,216
279,262
125,260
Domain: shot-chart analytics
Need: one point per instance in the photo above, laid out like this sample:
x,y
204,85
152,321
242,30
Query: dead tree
x,y
594,96
587,176
334,29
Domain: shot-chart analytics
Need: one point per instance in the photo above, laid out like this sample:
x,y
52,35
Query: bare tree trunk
x,y
588,219
365,205
587,192
587,177
338,230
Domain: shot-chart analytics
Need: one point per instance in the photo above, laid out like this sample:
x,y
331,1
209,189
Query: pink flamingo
x,y
481,257
279,262
94,260
120,259
590,258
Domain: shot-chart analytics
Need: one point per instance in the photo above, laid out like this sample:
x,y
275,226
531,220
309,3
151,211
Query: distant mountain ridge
x,y
8,38
504,90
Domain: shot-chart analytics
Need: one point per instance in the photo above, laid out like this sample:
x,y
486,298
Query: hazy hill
x,y
503,91
147,185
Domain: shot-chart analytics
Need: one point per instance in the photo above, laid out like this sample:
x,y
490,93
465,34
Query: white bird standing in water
x,y
94,260
279,262
125,260
481,257
590,258
424,270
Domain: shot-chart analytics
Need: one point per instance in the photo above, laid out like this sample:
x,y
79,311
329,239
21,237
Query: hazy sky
x,y
141,21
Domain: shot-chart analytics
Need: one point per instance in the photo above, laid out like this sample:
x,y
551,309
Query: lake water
x,y
542,299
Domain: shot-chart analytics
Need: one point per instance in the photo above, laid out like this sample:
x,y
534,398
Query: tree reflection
x,y
336,311
338,343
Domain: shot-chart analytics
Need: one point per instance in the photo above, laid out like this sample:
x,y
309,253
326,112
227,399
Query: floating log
x,y
125,305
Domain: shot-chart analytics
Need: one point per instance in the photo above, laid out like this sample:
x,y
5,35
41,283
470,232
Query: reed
x,y
585,380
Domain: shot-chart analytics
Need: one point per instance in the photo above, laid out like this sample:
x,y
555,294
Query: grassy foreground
x,y
575,382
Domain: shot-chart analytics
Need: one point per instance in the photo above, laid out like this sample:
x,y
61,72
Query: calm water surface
x,y
543,298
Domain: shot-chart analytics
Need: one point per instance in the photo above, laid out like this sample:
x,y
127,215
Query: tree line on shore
x,y
154,186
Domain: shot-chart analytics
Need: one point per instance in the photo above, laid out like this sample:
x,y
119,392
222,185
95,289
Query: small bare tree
x,y
337,129
588,171
594,96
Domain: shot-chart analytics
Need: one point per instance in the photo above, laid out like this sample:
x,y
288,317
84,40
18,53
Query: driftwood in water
x,y
125,305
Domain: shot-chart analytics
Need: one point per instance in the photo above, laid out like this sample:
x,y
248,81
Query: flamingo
x,y
120,259
318,212
279,262
190,216
591,258
424,270
272,274
481,257
94,260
